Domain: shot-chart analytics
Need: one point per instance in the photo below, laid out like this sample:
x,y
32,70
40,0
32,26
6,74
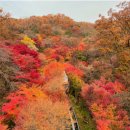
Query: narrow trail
x,y
73,117
61,84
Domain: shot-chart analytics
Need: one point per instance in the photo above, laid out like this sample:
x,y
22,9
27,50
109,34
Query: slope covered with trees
x,y
36,54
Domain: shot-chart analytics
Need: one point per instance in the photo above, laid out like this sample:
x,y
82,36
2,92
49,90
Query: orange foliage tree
x,y
43,115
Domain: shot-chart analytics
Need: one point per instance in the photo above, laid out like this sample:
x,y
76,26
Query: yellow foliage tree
x,y
29,42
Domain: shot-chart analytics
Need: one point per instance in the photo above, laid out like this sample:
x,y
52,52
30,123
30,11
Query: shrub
x,y
100,97
79,55
70,69
17,100
8,71
53,69
24,50
28,62
75,85
29,42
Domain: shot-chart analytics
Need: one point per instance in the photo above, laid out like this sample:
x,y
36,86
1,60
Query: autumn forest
x,y
59,74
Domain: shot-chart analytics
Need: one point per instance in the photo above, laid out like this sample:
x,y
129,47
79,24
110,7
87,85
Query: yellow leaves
x,y
108,113
94,107
111,111
105,50
29,42
98,111
37,92
75,81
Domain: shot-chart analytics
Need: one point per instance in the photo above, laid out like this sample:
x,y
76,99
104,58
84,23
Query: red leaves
x,y
62,50
33,77
28,61
121,114
103,124
25,58
24,50
99,96
71,69
16,100
101,91
19,99
22,54
115,87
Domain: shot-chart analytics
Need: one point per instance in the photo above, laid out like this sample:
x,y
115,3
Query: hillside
x,y
56,72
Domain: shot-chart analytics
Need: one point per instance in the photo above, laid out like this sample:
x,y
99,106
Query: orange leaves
x,y
71,69
101,112
19,98
43,115
118,87
113,38
2,127
100,97
55,88
49,52
53,69
39,37
56,38
103,124
81,46
32,107
42,57
109,117
64,40
54,84
32,93
30,104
